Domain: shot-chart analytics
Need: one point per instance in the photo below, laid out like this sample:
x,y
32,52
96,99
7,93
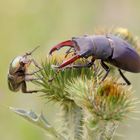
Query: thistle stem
x,y
107,132
72,115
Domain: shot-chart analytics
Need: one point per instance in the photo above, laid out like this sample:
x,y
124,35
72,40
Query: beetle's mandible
x,y
108,48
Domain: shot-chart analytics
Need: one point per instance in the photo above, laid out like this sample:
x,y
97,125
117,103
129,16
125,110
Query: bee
x,y
18,75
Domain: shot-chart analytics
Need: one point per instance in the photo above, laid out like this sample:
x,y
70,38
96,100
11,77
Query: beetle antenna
x,y
30,53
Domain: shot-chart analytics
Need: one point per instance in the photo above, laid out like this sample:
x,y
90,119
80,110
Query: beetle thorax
x,y
101,47
97,46
84,46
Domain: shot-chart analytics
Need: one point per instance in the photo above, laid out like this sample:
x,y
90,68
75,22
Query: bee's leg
x,y
35,63
32,73
24,88
29,78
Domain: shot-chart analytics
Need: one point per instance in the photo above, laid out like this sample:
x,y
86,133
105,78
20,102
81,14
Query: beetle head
x,y
80,45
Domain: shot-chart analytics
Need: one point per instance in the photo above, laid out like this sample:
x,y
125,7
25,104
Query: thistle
x,y
104,106
91,109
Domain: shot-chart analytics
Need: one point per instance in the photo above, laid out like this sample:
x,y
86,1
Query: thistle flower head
x,y
105,101
54,81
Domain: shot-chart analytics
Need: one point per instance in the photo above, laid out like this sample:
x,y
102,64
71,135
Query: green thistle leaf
x,y
38,120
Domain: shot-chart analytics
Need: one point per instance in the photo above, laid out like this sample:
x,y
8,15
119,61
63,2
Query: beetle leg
x,y
106,68
125,79
24,88
83,66
68,52
89,64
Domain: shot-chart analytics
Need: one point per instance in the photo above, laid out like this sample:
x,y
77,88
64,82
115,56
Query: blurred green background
x,y
25,24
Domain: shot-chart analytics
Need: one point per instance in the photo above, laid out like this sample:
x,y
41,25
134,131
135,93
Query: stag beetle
x,y
108,48
17,75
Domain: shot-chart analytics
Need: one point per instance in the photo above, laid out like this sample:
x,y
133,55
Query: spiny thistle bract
x,y
107,101
104,105
91,109
53,82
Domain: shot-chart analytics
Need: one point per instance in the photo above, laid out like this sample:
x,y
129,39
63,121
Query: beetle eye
x,y
77,48
74,38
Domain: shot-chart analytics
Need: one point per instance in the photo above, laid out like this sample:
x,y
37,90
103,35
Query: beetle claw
x,y
69,61
69,43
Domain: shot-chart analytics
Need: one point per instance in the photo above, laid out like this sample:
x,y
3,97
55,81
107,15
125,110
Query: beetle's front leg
x,y
24,88
68,52
89,64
